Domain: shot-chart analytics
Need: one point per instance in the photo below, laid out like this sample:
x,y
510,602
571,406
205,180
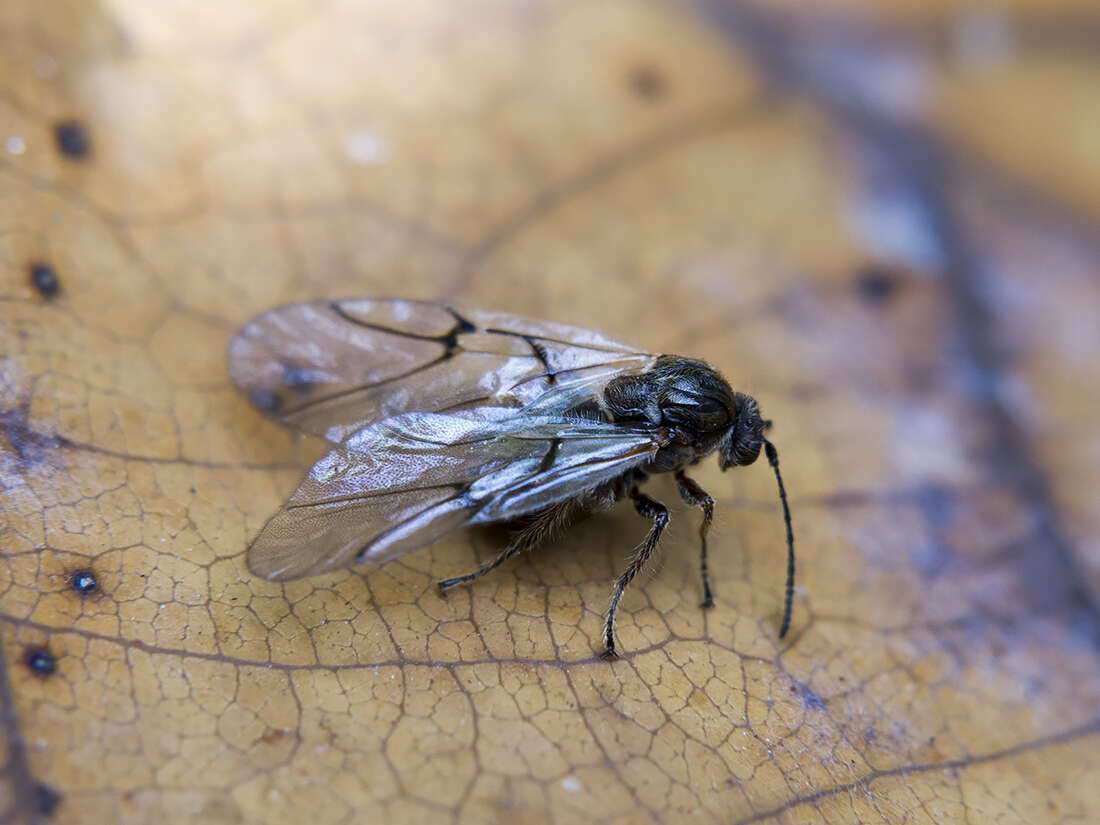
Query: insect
x,y
440,418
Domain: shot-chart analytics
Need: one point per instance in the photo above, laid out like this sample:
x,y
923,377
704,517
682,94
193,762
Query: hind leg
x,y
659,513
545,525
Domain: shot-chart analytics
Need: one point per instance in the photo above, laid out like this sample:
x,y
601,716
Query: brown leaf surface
x,y
880,223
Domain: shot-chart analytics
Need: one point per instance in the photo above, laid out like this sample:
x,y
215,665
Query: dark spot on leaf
x,y
44,279
46,799
273,735
72,139
647,82
30,447
810,699
266,399
40,661
84,582
877,285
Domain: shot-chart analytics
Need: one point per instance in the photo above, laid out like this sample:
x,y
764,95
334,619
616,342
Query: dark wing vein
x,y
450,339
304,406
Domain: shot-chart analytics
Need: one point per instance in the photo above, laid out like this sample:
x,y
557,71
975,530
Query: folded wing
x,y
332,367
403,482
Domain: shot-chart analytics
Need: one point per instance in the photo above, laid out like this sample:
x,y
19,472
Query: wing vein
x,y
368,386
351,498
461,325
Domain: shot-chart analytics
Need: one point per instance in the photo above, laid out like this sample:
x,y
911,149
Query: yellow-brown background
x,y
879,218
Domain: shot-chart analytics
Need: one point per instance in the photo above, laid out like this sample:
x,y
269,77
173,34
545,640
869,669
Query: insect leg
x,y
659,513
546,523
696,496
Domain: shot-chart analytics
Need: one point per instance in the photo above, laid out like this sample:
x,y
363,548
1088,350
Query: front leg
x,y
659,513
696,496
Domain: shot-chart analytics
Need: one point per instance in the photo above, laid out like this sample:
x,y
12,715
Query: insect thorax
x,y
686,395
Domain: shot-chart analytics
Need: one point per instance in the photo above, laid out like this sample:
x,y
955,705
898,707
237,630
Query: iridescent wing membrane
x,y
403,482
440,419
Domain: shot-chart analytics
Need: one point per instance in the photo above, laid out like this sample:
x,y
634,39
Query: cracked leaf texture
x,y
880,220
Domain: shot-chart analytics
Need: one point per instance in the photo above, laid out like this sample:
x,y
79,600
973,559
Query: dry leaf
x,y
881,224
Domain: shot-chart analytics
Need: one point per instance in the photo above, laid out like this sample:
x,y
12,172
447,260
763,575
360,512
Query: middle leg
x,y
696,496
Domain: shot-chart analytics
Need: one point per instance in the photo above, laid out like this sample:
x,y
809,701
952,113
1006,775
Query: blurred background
x,y
880,219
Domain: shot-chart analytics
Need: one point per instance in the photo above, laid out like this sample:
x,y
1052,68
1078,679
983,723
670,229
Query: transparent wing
x,y
332,367
401,483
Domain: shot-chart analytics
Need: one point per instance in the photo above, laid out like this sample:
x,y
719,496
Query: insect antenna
x,y
773,459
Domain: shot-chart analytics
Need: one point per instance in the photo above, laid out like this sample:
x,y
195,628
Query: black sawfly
x,y
442,418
